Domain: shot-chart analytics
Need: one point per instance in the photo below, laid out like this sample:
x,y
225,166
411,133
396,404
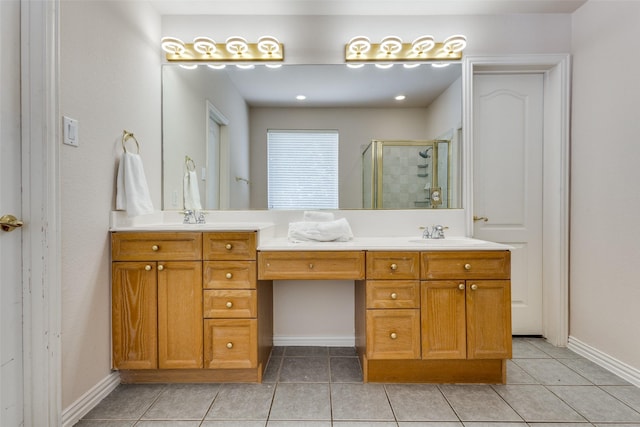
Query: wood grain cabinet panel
x,y
229,275
393,265
489,319
179,315
160,246
393,294
465,265
229,245
313,265
134,315
443,320
230,343
393,334
230,303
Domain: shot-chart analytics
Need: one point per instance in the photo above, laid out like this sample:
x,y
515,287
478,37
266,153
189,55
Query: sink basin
x,y
448,241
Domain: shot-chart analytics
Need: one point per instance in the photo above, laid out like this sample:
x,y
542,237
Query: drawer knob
x,y
155,248
147,267
461,286
228,275
394,267
229,345
229,304
310,266
467,266
394,295
228,246
393,335
474,287
160,267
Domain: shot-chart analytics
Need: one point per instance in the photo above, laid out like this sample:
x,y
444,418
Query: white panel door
x,y
11,367
507,182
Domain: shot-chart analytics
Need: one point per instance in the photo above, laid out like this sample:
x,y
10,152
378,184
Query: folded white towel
x,y
191,192
317,216
320,231
132,192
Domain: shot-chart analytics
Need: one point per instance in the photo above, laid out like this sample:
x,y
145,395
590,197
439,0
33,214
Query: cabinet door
x,y
393,334
134,315
231,343
443,319
179,314
489,319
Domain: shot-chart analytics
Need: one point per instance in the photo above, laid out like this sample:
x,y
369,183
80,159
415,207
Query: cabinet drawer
x,y
466,265
393,334
393,265
156,246
393,294
229,275
229,246
230,303
311,265
230,343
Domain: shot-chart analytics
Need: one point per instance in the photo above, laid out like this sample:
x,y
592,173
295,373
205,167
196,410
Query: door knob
x,y
480,218
10,222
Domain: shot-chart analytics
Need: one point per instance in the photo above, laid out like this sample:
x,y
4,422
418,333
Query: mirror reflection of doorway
x,y
214,167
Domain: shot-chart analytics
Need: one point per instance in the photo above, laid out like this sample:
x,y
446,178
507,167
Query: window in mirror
x,y
302,169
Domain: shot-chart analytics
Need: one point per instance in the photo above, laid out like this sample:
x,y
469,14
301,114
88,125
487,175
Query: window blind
x,y
302,169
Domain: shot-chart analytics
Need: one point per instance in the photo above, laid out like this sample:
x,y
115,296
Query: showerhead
x,y
425,154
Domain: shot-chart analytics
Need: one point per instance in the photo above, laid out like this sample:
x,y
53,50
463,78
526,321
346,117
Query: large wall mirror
x,y
219,119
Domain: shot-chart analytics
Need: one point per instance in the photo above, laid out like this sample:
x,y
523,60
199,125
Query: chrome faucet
x,y
193,217
437,232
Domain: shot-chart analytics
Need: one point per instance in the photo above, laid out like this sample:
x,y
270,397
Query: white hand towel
x,y
132,192
191,191
317,216
327,231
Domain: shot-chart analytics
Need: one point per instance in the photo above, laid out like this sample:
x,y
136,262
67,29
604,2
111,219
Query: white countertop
x,y
214,226
383,244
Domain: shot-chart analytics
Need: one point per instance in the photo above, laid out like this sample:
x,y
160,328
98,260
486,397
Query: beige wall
x,y
109,81
605,200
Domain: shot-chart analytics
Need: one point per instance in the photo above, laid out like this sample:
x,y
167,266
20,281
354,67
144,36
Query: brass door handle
x,y
480,218
10,222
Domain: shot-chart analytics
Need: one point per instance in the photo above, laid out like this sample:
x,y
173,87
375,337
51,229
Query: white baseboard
x,y
284,341
90,399
621,369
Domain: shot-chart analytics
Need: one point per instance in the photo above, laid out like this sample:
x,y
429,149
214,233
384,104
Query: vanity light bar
x,y
235,50
391,49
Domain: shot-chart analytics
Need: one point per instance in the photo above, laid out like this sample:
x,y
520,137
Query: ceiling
x,y
363,7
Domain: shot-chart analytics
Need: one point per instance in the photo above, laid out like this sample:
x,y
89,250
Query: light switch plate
x,y
70,132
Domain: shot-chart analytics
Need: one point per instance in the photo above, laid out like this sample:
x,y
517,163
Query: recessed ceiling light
x,y
400,98
301,97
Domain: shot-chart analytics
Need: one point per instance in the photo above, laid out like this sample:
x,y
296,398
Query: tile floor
x,y
322,387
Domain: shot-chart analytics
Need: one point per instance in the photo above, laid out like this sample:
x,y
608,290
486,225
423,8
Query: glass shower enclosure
x,y
406,174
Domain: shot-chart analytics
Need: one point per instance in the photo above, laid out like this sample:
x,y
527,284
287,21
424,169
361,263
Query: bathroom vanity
x,y
196,305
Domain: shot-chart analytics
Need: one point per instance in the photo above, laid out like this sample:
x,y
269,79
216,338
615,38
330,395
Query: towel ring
x,y
189,163
127,136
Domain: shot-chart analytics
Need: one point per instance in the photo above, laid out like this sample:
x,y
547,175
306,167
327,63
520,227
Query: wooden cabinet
x,y
230,301
157,300
311,265
186,301
392,305
469,317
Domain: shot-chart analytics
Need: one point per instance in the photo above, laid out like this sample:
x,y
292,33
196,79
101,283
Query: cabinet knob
x,y
394,267
461,286
147,267
229,345
228,246
474,287
394,295
229,304
160,267
393,335
467,266
228,275
155,248
310,266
